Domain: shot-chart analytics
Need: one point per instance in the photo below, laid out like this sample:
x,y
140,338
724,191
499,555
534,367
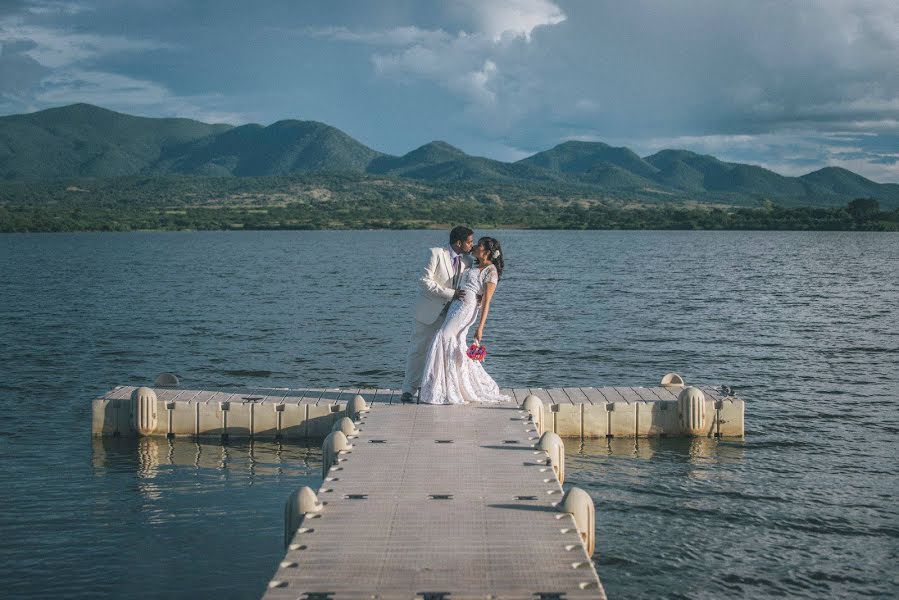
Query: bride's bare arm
x,y
489,288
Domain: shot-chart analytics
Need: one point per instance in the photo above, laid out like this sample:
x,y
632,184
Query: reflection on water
x,y
160,463
698,449
147,518
146,455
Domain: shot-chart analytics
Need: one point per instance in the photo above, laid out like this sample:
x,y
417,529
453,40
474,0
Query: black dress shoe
x,y
406,398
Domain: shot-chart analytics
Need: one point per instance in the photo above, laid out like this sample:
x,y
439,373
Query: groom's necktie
x,y
457,264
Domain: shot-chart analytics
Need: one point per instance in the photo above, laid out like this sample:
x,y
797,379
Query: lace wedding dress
x,y
450,377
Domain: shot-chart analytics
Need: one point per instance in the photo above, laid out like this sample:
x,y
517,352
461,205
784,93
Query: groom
x,y
438,286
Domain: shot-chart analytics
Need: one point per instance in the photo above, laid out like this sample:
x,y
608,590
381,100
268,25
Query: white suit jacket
x,y
436,284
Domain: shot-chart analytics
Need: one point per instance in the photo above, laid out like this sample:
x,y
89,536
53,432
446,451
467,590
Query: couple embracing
x,y
454,293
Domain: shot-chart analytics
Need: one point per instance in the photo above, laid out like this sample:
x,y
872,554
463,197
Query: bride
x,y
450,377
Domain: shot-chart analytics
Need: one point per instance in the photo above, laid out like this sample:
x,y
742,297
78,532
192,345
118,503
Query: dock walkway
x,y
439,503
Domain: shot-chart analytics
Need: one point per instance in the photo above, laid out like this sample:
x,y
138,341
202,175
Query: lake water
x,y
802,325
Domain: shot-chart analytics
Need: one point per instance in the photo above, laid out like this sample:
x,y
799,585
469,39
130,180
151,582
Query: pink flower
x,y
476,352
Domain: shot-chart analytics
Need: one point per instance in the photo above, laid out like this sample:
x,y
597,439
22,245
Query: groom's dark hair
x,y
460,233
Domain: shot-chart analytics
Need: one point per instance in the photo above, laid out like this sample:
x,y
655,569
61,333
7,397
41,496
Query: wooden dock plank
x,y
595,396
346,395
379,397
666,393
520,394
119,392
192,396
277,397
254,394
216,396
645,394
163,394
558,396
288,397
611,394
629,394
542,394
710,392
236,398
577,396
311,397
369,395
328,396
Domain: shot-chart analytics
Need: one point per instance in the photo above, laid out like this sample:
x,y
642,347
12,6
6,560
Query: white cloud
x,y
396,36
461,65
509,18
62,71
97,87
55,48
54,7
476,84
127,94
493,20
466,64
586,105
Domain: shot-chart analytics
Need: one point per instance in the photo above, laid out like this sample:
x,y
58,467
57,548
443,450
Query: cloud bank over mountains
x,y
790,86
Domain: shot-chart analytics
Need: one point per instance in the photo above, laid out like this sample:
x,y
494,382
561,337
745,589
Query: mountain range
x,y
85,141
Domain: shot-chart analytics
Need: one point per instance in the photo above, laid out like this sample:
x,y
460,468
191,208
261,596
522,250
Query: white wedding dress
x,y
450,377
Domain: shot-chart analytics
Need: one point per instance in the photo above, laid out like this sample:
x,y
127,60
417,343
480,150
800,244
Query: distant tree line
x,y
404,209
350,201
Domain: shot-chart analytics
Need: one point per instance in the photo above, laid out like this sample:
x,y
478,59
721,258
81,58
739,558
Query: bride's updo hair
x,y
494,251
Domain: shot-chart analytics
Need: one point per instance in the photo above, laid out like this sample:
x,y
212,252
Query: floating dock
x,y
430,502
438,506
308,414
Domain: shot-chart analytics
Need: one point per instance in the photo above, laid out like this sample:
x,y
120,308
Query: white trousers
x,y
422,336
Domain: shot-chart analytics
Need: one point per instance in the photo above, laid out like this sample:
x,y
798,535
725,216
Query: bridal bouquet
x,y
476,352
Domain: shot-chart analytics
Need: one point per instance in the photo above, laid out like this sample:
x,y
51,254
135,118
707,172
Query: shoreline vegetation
x,y
334,201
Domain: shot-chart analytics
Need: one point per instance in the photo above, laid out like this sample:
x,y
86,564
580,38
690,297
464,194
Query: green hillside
x,y
86,141
432,153
750,179
582,157
441,162
478,169
83,141
706,175
279,149
842,182
612,177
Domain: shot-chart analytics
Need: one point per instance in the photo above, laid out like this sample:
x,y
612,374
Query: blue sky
x,y
793,86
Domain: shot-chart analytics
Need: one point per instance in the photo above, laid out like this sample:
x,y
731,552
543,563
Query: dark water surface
x,y
805,326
